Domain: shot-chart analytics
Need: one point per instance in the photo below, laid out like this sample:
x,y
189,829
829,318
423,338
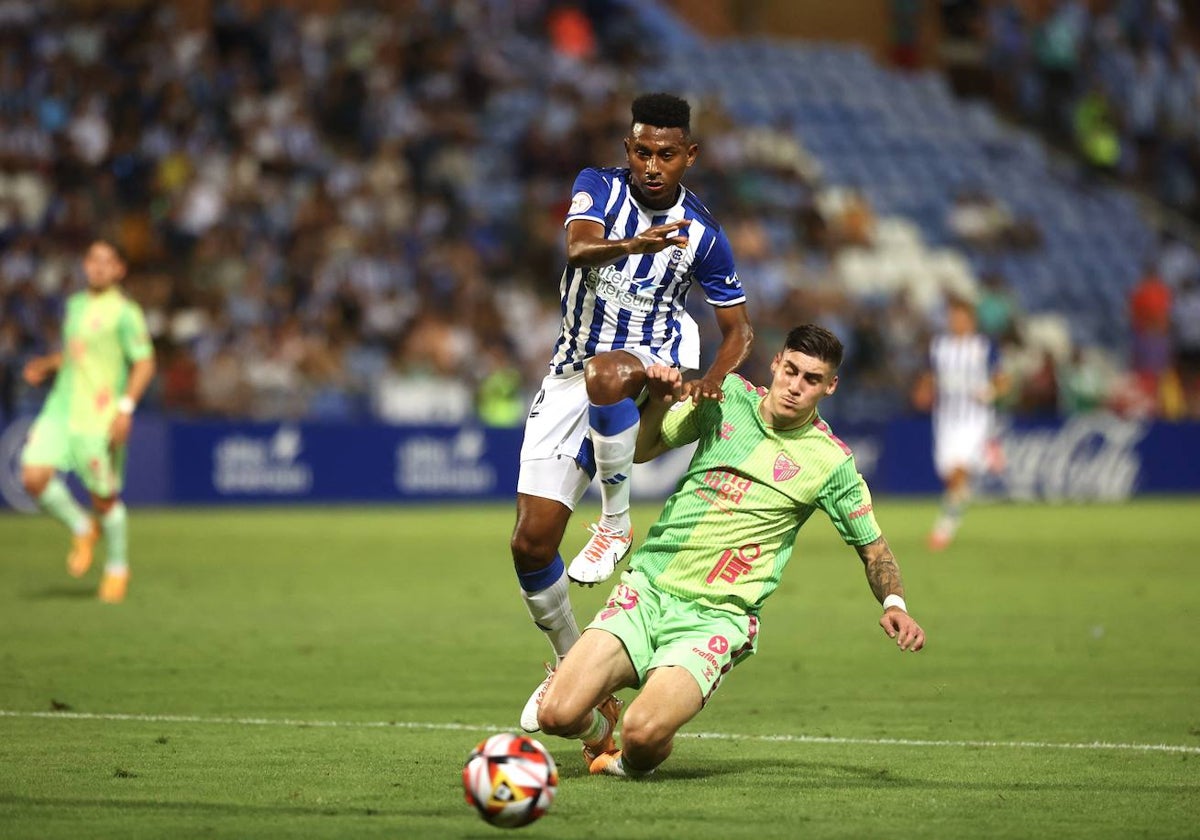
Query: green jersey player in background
x,y
687,608
104,367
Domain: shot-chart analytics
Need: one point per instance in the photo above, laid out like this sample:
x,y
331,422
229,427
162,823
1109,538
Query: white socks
x,y
546,597
614,436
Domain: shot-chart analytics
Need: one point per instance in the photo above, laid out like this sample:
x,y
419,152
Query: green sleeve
x,y
133,335
686,421
847,499
681,426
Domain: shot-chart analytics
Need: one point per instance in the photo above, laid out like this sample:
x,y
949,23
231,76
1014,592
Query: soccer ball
x,y
510,779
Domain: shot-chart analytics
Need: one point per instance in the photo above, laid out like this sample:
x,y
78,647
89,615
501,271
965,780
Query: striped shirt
x,y
638,301
962,367
727,532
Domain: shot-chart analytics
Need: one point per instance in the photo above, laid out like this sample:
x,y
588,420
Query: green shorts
x,y
658,629
99,466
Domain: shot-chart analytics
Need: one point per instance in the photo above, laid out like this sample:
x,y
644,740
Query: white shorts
x,y
556,454
960,446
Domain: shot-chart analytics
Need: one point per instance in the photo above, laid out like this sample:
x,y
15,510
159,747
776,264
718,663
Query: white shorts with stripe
x,y
960,445
556,456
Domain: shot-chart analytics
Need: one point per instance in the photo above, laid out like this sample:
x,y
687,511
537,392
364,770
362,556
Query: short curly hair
x,y
662,110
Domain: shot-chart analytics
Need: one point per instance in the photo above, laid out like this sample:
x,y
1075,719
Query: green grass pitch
x,y
324,672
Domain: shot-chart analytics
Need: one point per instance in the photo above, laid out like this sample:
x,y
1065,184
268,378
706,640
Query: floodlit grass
x,y
323,673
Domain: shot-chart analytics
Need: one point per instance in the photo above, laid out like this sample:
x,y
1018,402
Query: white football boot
x,y
529,715
599,558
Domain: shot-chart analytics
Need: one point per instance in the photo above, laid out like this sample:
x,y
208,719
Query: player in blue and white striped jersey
x,y
636,241
965,379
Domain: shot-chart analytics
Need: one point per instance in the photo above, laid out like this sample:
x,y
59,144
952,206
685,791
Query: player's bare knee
x,y
612,377
34,482
646,733
530,552
555,718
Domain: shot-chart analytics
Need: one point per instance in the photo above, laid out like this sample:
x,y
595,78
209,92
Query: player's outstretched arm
x,y
737,336
665,385
37,369
587,246
883,576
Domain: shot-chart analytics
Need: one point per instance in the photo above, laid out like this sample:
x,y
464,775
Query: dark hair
x,y
112,243
959,302
662,110
815,341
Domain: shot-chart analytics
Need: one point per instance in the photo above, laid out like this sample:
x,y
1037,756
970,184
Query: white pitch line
x,y
488,727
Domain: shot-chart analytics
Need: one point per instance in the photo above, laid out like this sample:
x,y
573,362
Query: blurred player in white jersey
x,y
636,240
964,381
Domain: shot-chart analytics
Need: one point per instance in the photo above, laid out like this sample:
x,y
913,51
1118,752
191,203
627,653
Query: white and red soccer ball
x,y
510,779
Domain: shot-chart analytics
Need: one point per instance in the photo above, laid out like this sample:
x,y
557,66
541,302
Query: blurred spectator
x,y
1186,333
849,217
221,389
500,400
1150,319
1038,394
1096,135
1006,34
1083,382
904,46
179,379
1058,43
301,191
996,308
1119,77
980,220
419,385
1177,260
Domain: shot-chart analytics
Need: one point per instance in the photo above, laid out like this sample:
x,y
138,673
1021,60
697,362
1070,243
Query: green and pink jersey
x,y
727,532
103,334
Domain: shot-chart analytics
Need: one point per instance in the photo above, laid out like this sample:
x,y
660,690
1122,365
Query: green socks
x,y
116,538
57,501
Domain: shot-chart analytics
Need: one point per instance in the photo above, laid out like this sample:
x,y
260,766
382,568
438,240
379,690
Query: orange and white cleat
x,y
610,708
599,558
113,586
607,764
83,548
613,764
939,540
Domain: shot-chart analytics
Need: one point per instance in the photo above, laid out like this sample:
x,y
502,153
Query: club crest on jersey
x,y
673,263
785,467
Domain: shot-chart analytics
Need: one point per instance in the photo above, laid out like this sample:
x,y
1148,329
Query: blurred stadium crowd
x,y
359,214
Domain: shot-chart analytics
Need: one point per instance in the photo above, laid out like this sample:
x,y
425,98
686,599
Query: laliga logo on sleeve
x,y
580,202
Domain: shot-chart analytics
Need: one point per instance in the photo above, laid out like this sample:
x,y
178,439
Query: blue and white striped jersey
x,y
638,301
963,367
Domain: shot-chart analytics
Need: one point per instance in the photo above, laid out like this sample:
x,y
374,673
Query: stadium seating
x,y
910,146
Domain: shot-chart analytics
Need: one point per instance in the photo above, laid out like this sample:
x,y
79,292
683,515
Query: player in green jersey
x,y
686,610
106,364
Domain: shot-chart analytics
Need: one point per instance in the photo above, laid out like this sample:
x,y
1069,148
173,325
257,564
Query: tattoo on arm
x,y
883,575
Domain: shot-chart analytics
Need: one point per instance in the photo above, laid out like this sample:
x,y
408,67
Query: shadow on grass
x,y
816,775
62,592
217,808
